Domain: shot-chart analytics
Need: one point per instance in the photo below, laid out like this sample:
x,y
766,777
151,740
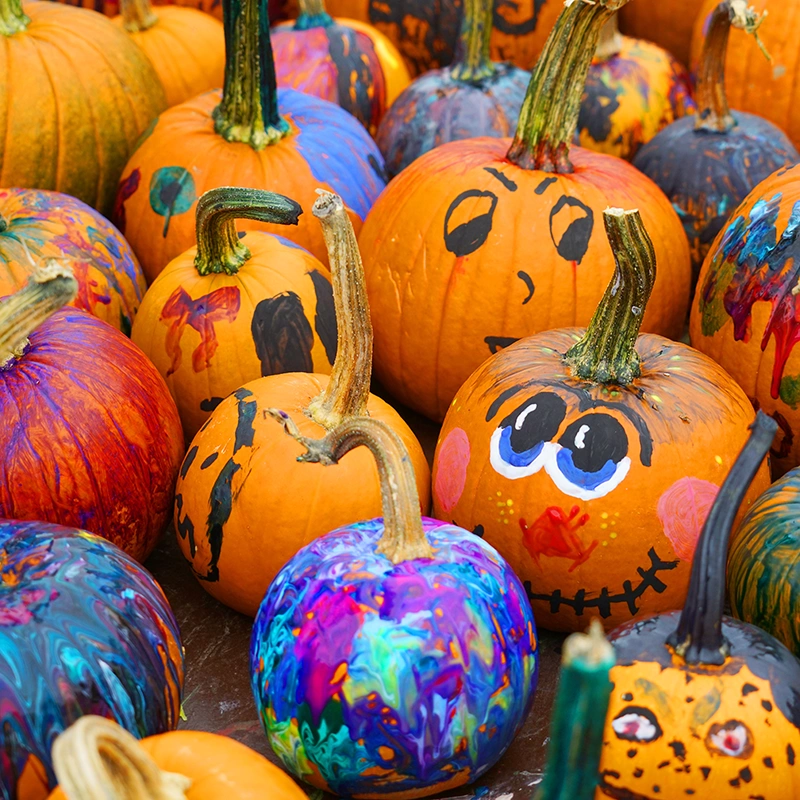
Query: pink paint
x,y
452,461
683,509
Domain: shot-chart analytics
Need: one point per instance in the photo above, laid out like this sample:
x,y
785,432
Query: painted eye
x,y
592,459
731,739
518,448
636,724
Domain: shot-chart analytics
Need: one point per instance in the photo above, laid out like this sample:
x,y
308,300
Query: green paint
x,y
706,707
790,390
711,298
172,192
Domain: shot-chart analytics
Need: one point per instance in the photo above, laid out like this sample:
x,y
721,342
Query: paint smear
x,y
683,509
451,469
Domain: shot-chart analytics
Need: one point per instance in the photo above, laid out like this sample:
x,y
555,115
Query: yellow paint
x,y
718,459
340,674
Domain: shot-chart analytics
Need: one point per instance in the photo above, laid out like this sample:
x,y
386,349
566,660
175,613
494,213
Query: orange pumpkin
x,y
234,309
668,23
241,469
480,242
111,7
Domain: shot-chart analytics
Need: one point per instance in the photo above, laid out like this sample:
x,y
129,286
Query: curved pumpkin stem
x,y
713,113
96,759
473,63
50,286
347,392
403,537
607,351
610,42
698,638
313,14
549,114
137,15
12,18
219,248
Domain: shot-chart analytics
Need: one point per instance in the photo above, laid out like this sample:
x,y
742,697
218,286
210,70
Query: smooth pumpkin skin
x,y
442,304
266,505
81,94
111,282
111,7
199,330
667,23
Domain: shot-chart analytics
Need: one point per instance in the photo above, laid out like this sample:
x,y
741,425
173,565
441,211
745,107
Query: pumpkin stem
x,y
347,392
219,248
698,638
96,759
403,537
12,18
473,63
713,113
549,114
610,42
50,286
249,109
137,15
313,14
607,351
576,730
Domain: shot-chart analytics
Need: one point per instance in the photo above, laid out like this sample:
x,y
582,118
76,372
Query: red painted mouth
x,y
554,535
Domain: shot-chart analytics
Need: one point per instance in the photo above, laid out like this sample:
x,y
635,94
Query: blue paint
x,y
510,456
584,480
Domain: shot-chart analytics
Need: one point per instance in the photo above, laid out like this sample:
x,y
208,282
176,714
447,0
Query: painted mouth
x,y
617,792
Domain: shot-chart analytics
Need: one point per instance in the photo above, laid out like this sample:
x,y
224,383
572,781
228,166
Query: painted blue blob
x,y
288,242
584,480
510,456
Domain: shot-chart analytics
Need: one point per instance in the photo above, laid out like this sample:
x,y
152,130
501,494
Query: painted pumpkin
x,y
396,657
703,704
745,313
448,246
90,436
559,451
72,109
238,138
472,97
36,224
706,165
83,630
229,480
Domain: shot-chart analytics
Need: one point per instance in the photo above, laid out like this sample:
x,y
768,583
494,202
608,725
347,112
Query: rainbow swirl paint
x,y
382,680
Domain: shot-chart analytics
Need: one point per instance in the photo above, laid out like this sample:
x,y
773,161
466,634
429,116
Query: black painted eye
x,y
518,446
636,724
731,739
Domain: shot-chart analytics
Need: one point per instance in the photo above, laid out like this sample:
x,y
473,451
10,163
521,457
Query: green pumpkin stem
x,y
579,714
607,351
50,286
96,759
713,113
137,15
473,63
249,109
698,638
12,18
313,14
403,537
347,392
549,114
219,248
610,42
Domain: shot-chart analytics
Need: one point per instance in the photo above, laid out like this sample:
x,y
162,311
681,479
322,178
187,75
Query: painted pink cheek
x,y
451,469
683,509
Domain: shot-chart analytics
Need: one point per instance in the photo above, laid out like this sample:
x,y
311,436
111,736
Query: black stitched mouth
x,y
618,792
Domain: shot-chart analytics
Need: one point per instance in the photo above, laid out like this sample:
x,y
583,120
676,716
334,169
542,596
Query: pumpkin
x,y
703,704
241,470
668,23
396,657
96,755
229,291
344,61
590,458
447,247
745,311
111,8
36,224
90,436
83,630
706,165
633,90
239,138
472,97
76,95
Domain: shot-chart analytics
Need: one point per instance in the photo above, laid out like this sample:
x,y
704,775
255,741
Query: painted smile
x,y
618,792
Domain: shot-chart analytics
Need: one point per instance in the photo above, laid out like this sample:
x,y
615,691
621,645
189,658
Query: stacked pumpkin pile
x,y
205,359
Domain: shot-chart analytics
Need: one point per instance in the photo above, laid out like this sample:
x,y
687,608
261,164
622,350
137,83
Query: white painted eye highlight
x,y
731,739
636,724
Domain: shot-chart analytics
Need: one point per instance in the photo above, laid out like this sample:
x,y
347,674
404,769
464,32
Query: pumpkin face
x,y
668,24
83,630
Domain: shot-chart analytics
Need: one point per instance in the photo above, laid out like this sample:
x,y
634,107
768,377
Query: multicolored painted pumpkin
x,y
76,93
472,97
90,436
703,704
239,138
746,315
392,658
590,459
83,630
481,242
241,469
36,224
706,165
668,23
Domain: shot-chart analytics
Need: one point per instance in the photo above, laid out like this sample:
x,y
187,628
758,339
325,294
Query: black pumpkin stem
x,y
713,113
607,351
12,18
249,109
473,63
313,14
549,113
137,15
698,638
219,248
403,537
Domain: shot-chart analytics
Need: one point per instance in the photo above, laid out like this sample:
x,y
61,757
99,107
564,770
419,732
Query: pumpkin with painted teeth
x,y
589,459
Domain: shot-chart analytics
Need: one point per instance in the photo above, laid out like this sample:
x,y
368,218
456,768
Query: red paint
x,y
127,189
554,535
452,461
